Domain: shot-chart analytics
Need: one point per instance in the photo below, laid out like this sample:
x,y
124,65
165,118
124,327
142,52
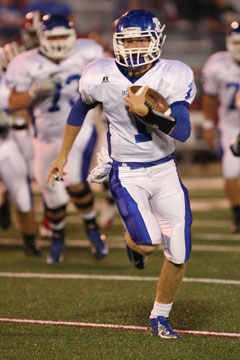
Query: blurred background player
x,y
235,143
47,79
13,173
21,133
221,82
28,36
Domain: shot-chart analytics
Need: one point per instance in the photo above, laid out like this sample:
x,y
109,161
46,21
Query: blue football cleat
x,y
139,261
159,326
56,252
98,244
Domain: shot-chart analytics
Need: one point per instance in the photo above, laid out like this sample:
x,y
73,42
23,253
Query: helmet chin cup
x,y
134,65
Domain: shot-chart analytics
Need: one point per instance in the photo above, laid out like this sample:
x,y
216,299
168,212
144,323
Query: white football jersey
x,y
5,92
130,140
221,77
50,115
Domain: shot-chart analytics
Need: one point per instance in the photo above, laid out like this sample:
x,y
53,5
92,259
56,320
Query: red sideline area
x,y
114,327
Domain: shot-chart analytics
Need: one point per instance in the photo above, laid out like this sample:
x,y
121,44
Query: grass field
x,y
90,309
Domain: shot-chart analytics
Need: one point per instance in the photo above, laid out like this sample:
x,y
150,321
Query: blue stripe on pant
x,y
128,210
188,218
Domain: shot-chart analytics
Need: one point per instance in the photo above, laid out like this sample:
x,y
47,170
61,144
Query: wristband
x,y
19,123
208,125
158,120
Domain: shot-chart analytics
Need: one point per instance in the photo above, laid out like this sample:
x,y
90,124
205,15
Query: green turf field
x,y
208,301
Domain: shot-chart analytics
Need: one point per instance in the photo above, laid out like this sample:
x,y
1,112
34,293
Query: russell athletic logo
x,y
105,79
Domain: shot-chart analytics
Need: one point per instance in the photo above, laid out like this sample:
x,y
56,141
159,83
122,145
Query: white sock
x,y
90,215
160,309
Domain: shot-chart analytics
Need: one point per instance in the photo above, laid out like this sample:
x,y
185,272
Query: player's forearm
x,y
19,100
209,105
182,128
70,134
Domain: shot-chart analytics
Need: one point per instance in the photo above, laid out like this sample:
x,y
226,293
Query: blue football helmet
x,y
57,37
233,41
136,24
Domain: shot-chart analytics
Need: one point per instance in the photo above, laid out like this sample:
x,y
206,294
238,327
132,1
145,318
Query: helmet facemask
x,y
233,46
137,57
57,43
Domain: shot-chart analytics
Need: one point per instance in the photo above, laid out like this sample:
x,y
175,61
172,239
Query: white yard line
x,y
75,219
117,242
111,277
216,237
196,205
114,327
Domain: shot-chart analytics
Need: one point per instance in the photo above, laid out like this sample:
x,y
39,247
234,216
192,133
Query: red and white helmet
x,y
30,29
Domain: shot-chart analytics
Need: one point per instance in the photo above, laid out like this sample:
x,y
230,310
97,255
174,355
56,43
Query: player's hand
x,y
44,88
136,102
237,100
210,137
55,171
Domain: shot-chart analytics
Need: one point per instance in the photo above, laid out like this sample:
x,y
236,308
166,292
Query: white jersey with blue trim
x,y
50,114
130,140
221,77
5,92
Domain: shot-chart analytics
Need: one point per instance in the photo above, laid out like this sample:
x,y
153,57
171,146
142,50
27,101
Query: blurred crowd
x,y
215,15
187,21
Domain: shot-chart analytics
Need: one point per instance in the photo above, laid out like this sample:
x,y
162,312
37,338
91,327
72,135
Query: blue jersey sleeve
x,y
182,129
78,112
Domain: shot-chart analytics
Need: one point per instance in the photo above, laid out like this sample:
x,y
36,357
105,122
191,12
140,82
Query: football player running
x,y
235,143
221,82
13,172
21,133
47,79
144,180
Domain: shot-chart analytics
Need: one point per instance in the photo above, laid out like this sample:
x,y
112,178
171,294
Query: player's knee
x,y
178,257
23,200
24,208
56,215
145,250
231,174
81,195
148,249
